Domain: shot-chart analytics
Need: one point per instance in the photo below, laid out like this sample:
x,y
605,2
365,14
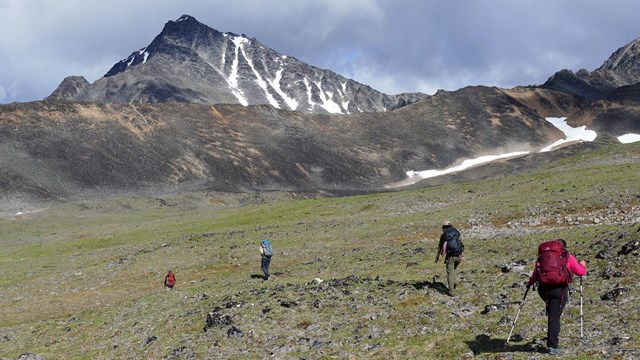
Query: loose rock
x,y
629,247
218,320
613,294
234,332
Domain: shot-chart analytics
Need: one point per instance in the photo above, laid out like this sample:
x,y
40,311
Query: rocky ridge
x,y
621,69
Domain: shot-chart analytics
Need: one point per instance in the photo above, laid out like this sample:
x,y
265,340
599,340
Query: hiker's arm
x,y
534,276
440,244
578,268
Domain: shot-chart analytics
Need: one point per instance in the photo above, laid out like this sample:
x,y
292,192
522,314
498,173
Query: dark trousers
x,y
555,299
266,261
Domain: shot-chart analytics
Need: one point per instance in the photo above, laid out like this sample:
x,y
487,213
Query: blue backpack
x,y
266,248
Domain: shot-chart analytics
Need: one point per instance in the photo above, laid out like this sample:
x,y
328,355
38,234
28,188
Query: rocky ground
x,y
352,277
372,306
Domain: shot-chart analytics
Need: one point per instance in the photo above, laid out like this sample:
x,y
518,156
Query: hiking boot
x,y
553,351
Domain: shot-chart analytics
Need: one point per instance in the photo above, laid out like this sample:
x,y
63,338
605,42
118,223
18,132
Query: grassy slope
x,y
84,280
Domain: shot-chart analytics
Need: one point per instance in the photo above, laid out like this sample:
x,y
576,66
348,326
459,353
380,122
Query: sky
x,y
394,46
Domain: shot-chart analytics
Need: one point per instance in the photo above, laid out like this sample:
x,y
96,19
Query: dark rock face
x,y
624,65
621,69
615,115
191,62
579,84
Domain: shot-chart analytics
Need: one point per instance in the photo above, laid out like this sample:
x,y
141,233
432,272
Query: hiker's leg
x,y
265,265
451,272
555,305
455,267
268,263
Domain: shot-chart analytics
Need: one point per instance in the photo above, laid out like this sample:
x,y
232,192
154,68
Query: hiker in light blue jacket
x,y
266,252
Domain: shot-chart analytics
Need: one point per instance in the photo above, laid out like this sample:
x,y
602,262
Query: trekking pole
x,y
581,313
518,314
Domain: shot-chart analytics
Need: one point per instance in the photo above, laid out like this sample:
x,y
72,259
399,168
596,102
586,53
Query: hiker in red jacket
x,y
554,272
170,280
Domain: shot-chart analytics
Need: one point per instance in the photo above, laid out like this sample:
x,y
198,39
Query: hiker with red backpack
x,y
451,247
553,273
170,280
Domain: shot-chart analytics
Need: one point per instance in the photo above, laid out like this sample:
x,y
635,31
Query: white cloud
x,y
393,46
7,93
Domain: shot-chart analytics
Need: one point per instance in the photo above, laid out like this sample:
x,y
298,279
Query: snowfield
x,y
571,135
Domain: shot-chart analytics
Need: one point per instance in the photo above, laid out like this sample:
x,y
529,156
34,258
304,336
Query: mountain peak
x,y
625,62
192,62
621,69
184,22
186,18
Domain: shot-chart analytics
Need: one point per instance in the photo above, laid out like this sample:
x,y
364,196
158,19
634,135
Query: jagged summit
x,y
624,64
186,18
621,69
182,32
192,62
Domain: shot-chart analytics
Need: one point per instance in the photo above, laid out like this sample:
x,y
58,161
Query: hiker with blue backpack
x,y
553,273
452,248
266,252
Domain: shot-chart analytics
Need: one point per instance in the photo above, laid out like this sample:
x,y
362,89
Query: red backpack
x,y
552,260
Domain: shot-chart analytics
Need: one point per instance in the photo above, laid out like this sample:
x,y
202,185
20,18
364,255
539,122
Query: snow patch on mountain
x,y
327,101
309,94
465,165
571,135
275,84
233,77
629,138
259,80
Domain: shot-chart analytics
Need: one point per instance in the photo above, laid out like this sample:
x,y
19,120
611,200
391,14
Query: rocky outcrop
x,y
621,69
69,89
616,115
